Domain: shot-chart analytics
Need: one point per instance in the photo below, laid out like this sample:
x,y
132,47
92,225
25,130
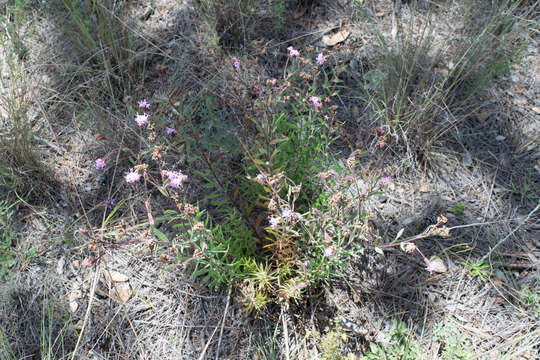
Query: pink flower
x,y
325,117
292,52
132,177
235,62
274,222
321,59
386,180
329,251
141,119
176,178
316,102
144,105
100,164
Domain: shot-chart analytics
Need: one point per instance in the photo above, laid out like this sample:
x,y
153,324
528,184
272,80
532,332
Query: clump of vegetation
x,y
400,346
253,179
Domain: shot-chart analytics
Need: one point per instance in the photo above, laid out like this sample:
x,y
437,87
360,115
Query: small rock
x,y
500,138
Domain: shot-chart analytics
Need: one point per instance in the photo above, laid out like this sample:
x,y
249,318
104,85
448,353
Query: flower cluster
x,y
321,59
141,119
100,163
287,215
316,102
292,52
176,178
132,176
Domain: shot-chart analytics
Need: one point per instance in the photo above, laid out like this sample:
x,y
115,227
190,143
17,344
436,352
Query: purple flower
x,y
292,52
321,59
132,176
176,178
386,180
144,105
325,117
100,164
110,204
235,62
316,102
315,212
274,222
141,119
261,178
171,131
289,214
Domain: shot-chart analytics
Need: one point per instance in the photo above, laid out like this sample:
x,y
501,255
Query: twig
x,y
223,323
214,332
488,254
285,334
88,309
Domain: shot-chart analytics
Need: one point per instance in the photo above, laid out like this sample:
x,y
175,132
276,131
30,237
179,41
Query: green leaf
x,y
161,236
400,232
112,213
378,250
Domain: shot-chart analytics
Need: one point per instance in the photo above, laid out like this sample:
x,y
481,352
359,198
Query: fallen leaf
x,y
518,89
438,265
340,36
73,296
536,109
73,306
424,188
120,292
116,276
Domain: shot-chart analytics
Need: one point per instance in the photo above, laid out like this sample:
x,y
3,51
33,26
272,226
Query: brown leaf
x,y
424,188
340,36
120,292
116,276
